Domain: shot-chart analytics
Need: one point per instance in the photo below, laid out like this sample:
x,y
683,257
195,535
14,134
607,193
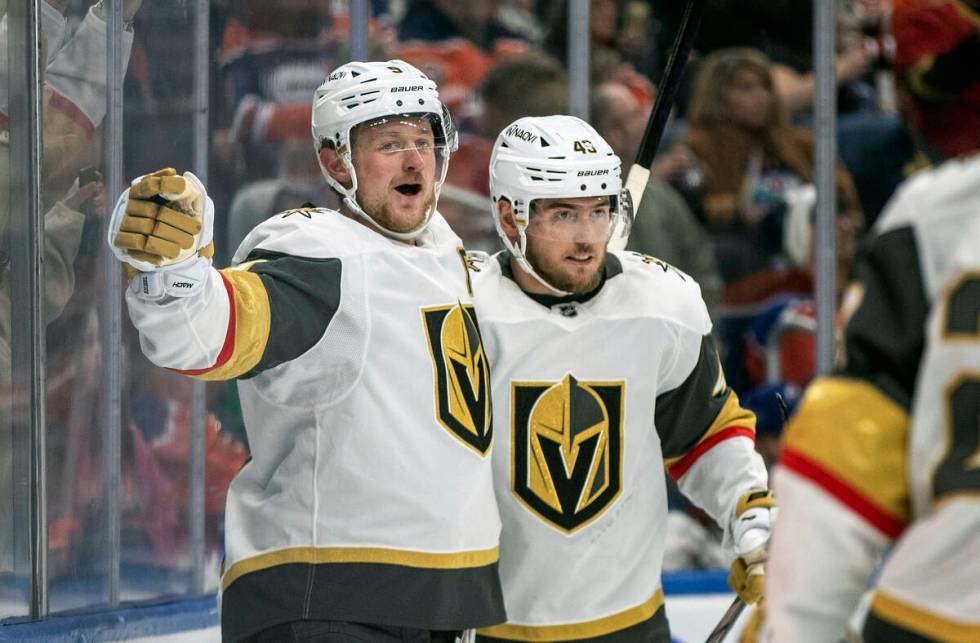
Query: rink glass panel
x,y
14,574
15,420
155,429
85,471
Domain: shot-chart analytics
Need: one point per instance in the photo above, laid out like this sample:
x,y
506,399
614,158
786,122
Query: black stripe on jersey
x,y
653,630
884,337
878,630
432,599
685,413
304,295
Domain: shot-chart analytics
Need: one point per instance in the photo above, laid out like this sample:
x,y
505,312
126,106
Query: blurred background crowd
x,y
730,199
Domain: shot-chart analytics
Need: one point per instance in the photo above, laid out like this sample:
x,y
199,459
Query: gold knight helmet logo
x,y
461,373
566,450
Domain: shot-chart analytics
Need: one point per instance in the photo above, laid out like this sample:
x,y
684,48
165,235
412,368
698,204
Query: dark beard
x,y
561,282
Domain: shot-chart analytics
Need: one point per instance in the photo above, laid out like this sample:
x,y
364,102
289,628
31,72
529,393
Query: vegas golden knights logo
x,y
462,376
566,451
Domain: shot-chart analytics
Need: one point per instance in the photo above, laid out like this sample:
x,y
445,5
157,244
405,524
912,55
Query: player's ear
x,y
334,164
506,215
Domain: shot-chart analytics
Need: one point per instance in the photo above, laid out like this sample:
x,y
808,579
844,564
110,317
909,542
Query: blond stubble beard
x,y
380,212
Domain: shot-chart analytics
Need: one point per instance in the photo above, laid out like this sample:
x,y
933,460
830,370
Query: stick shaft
x,y
727,621
683,42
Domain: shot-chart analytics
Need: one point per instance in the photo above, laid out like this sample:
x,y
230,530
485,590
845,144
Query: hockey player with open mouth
x,y
366,511
604,374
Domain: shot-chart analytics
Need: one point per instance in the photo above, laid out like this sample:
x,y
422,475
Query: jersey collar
x,y
610,268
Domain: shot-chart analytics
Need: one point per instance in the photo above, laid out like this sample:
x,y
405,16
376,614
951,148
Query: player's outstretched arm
x,y
161,229
220,324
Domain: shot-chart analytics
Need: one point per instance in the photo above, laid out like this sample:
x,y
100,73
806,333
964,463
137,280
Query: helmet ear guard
x,y
360,93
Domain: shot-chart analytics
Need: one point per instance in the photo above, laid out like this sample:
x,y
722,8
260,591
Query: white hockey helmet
x,y
373,92
548,157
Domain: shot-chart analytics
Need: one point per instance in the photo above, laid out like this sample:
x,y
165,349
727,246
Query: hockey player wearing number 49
x,y
604,373
367,509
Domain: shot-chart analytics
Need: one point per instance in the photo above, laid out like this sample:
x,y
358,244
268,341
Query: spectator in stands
x,y
749,159
525,84
529,84
664,225
620,36
440,20
456,43
937,64
783,31
271,59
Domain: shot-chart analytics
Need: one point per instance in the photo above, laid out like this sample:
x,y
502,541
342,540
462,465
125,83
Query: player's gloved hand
x,y
754,515
162,227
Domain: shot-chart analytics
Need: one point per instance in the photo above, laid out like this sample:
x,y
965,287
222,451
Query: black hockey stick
x,y
639,173
735,609
725,624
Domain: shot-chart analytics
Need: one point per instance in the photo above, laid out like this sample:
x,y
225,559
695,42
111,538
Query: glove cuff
x,y
183,279
762,498
753,520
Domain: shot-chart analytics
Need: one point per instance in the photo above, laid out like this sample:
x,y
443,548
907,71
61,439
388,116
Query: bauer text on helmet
x,y
383,139
557,199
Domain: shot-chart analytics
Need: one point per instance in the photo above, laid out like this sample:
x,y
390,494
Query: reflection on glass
x,y
14,428
13,590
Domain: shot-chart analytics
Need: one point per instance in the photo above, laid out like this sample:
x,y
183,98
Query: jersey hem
x,y
333,555
577,631
370,593
923,622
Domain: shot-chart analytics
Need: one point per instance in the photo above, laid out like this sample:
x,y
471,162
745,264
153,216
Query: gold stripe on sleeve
x,y
253,319
855,433
731,416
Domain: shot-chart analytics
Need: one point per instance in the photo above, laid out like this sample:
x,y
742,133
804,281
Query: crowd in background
x,y
730,200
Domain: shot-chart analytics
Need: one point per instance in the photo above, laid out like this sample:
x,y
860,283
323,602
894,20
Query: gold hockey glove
x,y
163,218
162,229
754,515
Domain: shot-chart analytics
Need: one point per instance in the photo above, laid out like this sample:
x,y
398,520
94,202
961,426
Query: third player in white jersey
x,y
604,373
887,452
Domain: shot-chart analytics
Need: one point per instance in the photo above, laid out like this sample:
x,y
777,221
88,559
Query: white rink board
x,y
210,635
693,616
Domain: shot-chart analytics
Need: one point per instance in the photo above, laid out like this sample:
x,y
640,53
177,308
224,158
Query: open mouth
x,y
409,189
580,258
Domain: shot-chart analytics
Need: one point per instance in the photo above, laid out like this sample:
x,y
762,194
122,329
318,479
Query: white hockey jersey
x,y
593,398
365,394
887,452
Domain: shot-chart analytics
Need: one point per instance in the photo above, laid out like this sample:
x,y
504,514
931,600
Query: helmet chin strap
x,y
411,235
350,200
522,260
